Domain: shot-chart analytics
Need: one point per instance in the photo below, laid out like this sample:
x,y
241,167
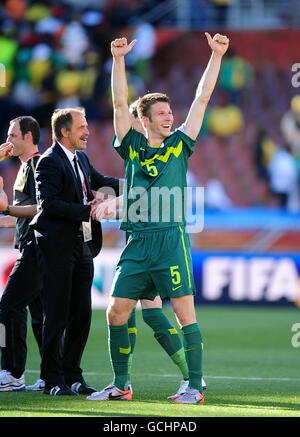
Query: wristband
x,y
6,211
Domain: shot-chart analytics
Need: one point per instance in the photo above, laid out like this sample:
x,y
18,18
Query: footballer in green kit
x,y
164,331
156,177
157,255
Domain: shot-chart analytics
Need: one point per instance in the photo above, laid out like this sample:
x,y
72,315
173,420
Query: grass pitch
x,y
250,367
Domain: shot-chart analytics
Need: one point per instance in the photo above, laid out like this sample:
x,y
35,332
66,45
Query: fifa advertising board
x,y
235,278
221,278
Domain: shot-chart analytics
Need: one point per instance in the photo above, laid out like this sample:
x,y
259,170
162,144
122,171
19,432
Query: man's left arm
x,y
25,211
219,44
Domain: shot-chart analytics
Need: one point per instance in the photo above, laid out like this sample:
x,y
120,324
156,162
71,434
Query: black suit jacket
x,y
60,210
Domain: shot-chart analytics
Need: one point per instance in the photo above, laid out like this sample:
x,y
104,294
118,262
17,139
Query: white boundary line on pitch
x,y
168,375
253,378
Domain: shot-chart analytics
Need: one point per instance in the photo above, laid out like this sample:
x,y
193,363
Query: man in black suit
x,y
67,240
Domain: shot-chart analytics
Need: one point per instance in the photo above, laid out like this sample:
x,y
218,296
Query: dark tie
x,y
78,178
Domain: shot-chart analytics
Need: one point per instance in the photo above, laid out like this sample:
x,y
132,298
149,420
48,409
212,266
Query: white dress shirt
x,y
70,156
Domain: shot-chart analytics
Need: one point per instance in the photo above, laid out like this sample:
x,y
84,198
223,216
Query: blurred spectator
x,y
120,12
47,98
215,196
284,178
140,58
263,149
74,43
8,52
25,95
221,9
68,86
290,126
92,84
16,8
224,119
37,12
235,75
40,63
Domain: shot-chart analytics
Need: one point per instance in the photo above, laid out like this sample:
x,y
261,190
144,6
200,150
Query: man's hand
x,y
6,150
105,210
95,201
120,47
219,43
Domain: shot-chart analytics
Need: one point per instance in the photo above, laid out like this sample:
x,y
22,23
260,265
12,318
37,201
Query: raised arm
x,y
122,121
219,44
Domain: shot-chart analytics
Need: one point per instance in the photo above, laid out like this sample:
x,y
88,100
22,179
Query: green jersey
x,y
154,193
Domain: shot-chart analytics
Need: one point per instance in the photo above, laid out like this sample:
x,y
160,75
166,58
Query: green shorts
x,y
156,262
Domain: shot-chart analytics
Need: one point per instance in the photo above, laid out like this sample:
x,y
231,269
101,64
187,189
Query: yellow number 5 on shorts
x,y
175,277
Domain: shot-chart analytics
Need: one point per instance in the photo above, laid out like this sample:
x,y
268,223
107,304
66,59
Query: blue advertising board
x,y
247,278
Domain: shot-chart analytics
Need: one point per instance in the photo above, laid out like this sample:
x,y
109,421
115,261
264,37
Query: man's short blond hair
x,y
144,103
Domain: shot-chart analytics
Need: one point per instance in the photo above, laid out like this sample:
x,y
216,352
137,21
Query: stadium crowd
x,y
56,54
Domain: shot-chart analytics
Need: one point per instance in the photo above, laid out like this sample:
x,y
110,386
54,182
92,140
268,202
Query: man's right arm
x,y
122,121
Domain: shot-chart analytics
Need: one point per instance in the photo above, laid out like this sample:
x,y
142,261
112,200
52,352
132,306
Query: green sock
x,y
119,350
179,359
132,331
167,336
193,353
